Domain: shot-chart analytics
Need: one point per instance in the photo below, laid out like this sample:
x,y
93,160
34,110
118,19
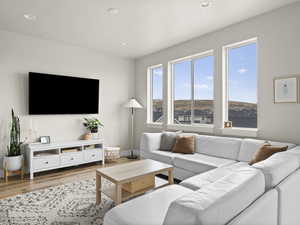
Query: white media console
x,y
42,157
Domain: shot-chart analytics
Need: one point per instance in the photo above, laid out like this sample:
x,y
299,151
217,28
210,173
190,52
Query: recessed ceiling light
x,y
123,43
205,4
113,11
29,17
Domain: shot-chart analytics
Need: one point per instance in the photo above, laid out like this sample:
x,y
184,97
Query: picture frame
x,y
286,89
45,139
227,124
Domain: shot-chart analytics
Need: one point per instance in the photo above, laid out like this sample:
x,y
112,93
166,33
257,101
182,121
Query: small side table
x,y
111,154
7,173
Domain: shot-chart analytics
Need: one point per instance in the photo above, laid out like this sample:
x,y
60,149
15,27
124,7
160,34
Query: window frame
x,y
150,94
207,127
225,83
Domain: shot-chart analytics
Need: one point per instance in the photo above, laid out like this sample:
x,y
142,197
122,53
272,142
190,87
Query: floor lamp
x,y
132,104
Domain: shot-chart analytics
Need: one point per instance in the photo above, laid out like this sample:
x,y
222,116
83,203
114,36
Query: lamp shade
x,y
133,104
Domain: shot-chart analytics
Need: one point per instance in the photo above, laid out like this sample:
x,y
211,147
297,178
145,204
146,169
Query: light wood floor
x,y
52,178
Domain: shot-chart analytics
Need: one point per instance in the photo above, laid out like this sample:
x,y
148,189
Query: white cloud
x,y
197,86
201,86
209,78
242,70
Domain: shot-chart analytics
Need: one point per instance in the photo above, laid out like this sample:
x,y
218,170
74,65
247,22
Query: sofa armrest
x,y
150,142
277,167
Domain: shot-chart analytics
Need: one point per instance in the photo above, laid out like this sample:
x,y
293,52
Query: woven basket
x,y
112,154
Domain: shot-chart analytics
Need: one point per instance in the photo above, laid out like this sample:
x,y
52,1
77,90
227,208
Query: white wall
x,y
279,55
20,54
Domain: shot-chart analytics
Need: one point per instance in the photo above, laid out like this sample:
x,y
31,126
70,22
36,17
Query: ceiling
x,y
141,26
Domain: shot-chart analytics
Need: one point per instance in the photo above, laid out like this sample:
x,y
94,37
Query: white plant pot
x,y
13,163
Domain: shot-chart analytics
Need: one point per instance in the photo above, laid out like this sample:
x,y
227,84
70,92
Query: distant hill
x,y
185,105
242,114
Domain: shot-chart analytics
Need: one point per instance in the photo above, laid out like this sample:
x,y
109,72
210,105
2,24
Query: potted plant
x,y
92,125
14,159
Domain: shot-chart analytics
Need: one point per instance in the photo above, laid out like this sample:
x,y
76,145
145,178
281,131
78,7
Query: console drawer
x,y
71,158
92,155
41,163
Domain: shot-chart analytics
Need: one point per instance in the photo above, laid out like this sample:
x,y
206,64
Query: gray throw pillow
x,y
168,140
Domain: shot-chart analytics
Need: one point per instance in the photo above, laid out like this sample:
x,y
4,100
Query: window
x,y
182,92
155,94
193,94
241,75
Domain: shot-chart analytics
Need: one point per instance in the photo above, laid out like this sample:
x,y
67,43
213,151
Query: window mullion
x,y
226,88
151,96
192,89
151,84
173,93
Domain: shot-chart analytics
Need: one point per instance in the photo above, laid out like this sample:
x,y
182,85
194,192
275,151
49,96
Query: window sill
x,y
204,128
155,125
243,132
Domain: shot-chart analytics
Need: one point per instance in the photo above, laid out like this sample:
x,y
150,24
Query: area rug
x,y
69,204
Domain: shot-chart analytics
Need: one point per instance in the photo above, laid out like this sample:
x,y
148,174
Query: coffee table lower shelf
x,y
111,192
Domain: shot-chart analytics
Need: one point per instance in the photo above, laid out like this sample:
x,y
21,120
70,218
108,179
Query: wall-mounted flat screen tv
x,y
56,94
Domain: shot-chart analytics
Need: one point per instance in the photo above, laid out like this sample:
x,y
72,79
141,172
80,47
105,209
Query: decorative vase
x,y
13,163
87,136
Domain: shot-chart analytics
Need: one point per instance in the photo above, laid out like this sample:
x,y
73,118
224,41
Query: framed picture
x,y
286,90
227,124
45,139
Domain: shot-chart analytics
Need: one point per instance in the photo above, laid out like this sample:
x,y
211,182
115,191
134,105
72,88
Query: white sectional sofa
x,y
218,186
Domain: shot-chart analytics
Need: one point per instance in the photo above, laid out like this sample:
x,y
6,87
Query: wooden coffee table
x,y
130,179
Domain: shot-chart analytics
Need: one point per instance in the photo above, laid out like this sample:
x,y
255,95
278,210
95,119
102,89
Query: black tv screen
x,y
55,94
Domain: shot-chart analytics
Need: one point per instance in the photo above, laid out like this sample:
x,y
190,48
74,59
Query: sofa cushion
x,y
219,202
199,163
263,212
218,146
277,167
296,152
250,146
248,149
162,156
150,142
289,193
182,174
265,152
148,209
168,140
199,181
184,145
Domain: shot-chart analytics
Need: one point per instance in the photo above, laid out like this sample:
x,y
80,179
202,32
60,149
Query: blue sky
x,y
157,83
242,77
243,74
